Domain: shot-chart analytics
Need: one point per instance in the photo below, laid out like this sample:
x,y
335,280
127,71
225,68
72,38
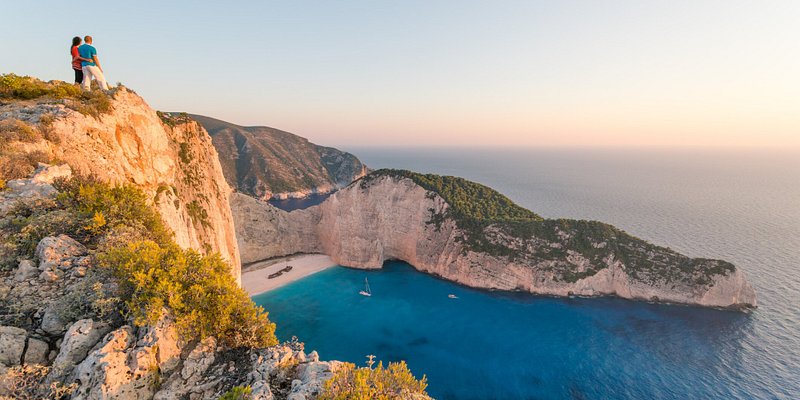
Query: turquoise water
x,y
507,346
740,206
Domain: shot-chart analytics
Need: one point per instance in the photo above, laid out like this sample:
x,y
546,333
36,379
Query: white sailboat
x,y
366,291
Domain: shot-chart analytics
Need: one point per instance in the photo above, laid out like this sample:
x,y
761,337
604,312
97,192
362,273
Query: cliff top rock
x,y
116,137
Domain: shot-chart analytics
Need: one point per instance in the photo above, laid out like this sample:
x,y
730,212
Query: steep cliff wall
x,y
171,159
269,163
393,217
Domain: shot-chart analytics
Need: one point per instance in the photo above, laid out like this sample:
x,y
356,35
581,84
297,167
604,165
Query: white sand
x,y
254,277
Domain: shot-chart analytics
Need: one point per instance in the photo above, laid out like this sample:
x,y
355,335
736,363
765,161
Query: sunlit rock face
x,y
171,159
364,225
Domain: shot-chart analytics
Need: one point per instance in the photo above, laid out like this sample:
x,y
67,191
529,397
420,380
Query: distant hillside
x,y
269,163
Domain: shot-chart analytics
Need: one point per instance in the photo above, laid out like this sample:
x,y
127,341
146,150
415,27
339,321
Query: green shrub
x,y
198,214
173,119
26,88
94,102
185,153
394,382
102,207
199,290
468,200
237,393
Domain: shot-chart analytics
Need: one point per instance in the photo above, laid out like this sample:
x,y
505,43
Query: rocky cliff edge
x,y
171,158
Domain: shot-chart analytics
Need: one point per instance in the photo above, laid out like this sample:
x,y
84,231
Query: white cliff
x,y
172,160
390,218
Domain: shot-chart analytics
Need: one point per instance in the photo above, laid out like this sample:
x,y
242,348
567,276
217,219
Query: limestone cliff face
x,y
363,225
171,159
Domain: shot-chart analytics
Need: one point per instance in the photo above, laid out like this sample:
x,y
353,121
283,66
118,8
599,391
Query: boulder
x,y
52,322
105,373
12,345
52,251
163,337
312,376
189,381
25,271
37,352
79,339
46,173
49,276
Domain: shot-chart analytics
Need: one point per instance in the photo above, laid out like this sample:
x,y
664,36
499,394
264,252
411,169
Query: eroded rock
x,y
12,345
25,271
79,339
53,251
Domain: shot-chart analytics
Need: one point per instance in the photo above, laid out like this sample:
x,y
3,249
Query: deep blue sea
x,y
738,205
299,204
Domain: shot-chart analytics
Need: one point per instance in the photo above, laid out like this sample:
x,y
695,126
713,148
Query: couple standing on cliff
x,y
86,64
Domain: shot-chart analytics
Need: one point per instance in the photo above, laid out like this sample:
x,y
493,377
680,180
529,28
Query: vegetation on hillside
x,y
173,119
379,383
469,201
199,291
475,208
15,87
16,164
140,271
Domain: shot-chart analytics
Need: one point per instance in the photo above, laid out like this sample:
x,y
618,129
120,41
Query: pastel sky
x,y
442,73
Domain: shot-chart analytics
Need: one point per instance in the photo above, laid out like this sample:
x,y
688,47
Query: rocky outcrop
x,y
269,163
108,359
147,364
12,345
393,217
173,160
38,186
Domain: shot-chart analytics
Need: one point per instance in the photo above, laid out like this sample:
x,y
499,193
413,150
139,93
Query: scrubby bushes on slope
x,y
15,87
366,383
131,245
199,290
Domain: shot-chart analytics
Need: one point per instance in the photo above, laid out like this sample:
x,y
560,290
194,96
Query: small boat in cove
x,y
452,296
366,291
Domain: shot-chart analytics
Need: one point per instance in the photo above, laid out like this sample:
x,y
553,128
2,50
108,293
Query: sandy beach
x,y
255,276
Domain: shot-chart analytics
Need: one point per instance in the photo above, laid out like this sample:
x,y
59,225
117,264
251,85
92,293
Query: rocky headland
x,y
269,163
470,234
123,140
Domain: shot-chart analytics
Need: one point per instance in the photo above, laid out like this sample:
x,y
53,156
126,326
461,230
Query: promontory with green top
x,y
469,233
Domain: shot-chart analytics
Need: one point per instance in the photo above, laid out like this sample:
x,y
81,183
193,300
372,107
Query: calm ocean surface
x,y
741,206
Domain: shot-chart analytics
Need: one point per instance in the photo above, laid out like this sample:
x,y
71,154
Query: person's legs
x,y
98,76
87,79
78,76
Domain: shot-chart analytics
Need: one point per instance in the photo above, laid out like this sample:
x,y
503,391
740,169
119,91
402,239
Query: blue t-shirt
x,y
87,51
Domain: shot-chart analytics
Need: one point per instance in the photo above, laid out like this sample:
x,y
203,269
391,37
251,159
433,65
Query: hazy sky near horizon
x,y
428,72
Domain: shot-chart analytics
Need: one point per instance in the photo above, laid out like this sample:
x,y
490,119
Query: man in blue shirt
x,y
91,69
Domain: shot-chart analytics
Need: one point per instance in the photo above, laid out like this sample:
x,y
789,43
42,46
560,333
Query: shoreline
x,y
255,276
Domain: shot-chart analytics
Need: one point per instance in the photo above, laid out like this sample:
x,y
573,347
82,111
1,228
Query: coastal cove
x,y
732,204
486,345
